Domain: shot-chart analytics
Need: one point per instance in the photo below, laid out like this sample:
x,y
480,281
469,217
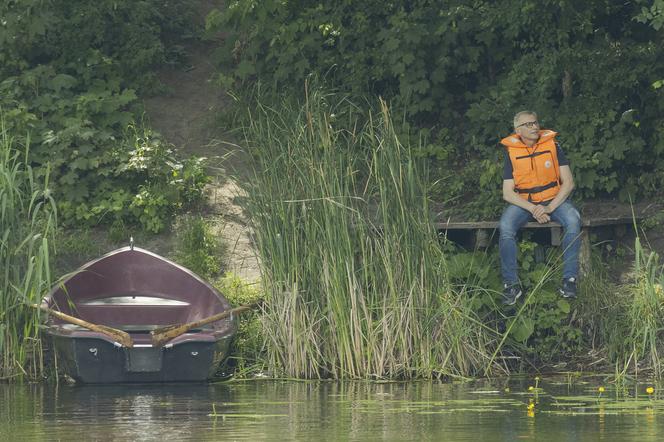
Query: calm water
x,y
480,411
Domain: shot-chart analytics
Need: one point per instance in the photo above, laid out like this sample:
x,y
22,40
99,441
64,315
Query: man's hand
x,y
541,214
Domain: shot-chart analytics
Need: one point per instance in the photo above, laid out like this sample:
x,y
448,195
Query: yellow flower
x,y
601,389
531,413
531,406
531,388
650,390
658,289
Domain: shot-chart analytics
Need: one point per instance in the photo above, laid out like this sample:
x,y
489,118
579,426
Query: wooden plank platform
x,y
483,231
474,225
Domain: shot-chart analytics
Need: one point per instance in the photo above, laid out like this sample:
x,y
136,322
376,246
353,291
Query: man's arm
x,y
512,197
566,187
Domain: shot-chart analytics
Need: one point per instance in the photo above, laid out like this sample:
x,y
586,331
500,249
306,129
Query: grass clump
x,y
197,248
27,222
351,261
249,343
645,310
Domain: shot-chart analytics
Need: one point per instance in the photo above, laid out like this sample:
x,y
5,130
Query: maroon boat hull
x,y
138,291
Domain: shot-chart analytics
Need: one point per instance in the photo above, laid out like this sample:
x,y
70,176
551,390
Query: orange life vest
x,y
535,169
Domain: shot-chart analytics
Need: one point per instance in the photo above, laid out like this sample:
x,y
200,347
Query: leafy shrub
x,y
165,183
69,76
462,69
146,184
543,329
92,40
197,247
249,341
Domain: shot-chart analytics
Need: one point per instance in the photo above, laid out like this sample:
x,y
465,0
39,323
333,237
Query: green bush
x,y
249,343
146,184
462,69
165,183
543,329
197,248
70,72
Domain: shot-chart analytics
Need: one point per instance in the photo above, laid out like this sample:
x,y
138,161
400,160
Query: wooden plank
x,y
556,236
478,225
584,253
482,238
590,222
597,222
469,225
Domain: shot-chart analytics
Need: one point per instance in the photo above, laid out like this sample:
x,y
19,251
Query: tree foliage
x,y
461,69
70,72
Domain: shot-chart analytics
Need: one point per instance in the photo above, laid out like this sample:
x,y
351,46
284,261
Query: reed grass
x,y
645,311
197,247
351,261
27,221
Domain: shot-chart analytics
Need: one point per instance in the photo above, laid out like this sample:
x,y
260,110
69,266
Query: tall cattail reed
x,y
27,220
351,260
645,311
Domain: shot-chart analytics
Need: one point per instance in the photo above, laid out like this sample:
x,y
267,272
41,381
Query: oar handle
x,y
164,334
117,335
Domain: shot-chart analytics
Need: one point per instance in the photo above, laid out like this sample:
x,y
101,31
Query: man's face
x,y
527,127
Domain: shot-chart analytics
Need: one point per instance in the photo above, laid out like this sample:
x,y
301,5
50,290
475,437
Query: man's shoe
x,y
568,288
511,292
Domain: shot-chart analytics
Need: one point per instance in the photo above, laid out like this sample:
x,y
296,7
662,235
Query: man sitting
x,y
537,182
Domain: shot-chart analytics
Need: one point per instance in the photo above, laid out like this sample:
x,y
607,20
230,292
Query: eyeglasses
x,y
529,124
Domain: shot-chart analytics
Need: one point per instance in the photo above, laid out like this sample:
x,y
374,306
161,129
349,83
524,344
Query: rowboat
x,y
133,292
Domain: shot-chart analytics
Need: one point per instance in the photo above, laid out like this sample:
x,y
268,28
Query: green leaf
x,y
245,68
564,306
522,329
62,81
78,163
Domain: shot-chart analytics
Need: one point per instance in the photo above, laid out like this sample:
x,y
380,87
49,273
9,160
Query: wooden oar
x,y
164,334
117,335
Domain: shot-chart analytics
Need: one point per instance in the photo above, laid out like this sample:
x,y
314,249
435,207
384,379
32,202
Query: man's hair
x,y
525,112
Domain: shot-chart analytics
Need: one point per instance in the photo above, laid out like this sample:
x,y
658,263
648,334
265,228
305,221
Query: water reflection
x,y
279,410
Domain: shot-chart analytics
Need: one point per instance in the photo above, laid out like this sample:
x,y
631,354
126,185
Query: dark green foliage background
x,y
70,73
460,69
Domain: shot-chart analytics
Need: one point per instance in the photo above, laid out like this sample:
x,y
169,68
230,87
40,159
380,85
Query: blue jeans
x,y
514,217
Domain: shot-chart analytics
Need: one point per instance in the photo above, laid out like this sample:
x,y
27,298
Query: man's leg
x,y
568,217
513,218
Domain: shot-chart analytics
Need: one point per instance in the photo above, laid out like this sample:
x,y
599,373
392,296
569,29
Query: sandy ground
x,y
185,116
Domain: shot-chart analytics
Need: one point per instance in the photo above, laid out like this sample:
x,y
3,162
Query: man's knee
x,y
507,229
571,222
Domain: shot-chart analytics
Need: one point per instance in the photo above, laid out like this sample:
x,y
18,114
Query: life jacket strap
x,y
534,154
538,189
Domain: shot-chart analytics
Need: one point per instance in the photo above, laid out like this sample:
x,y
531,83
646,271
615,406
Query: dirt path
x,y
185,116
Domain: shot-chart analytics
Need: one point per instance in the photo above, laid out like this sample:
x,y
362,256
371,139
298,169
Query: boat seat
x,y
128,315
136,310
133,328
